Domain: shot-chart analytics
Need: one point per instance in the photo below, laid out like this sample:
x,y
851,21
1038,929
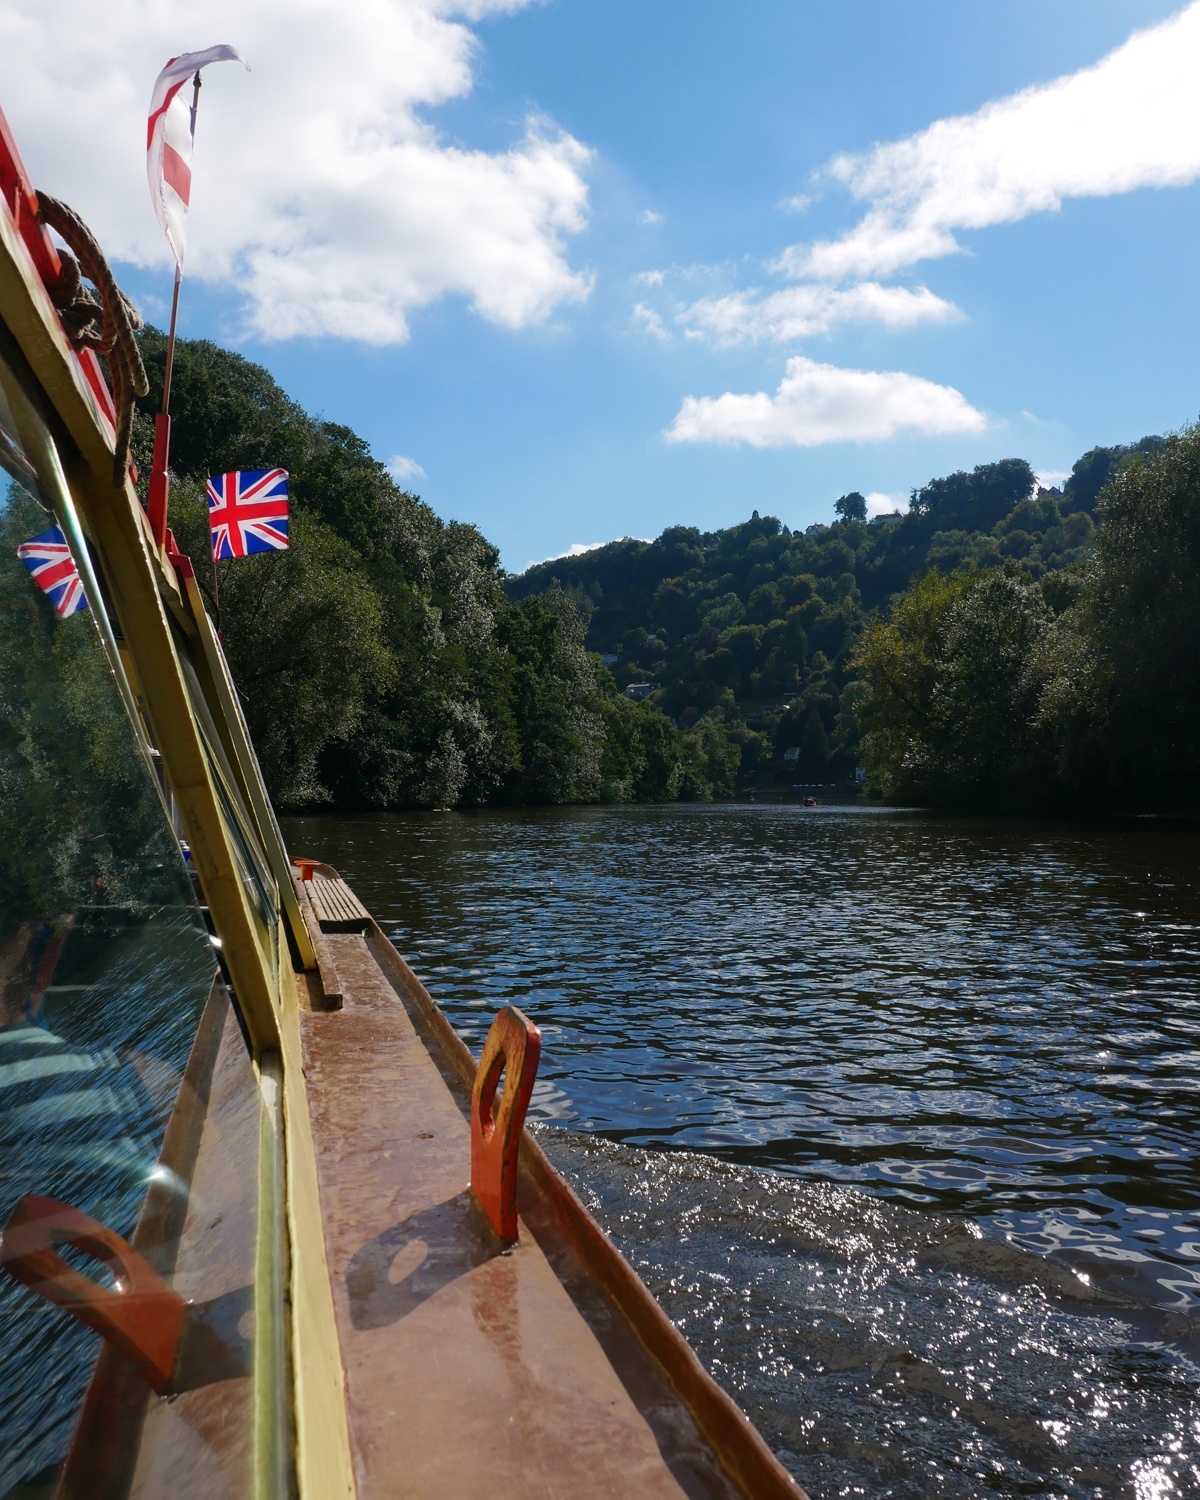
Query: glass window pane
x,y
105,965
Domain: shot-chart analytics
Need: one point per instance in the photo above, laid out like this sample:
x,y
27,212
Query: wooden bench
x,y
336,906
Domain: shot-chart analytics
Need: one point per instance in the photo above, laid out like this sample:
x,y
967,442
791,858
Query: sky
x,y
583,269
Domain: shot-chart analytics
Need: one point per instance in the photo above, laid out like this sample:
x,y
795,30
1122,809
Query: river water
x,y
896,1114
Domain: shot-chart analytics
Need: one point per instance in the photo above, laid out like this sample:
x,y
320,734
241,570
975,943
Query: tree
x,y
975,501
79,821
303,631
851,507
1092,472
1123,697
813,760
552,697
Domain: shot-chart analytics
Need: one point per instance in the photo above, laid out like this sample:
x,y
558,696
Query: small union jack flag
x,y
49,559
248,512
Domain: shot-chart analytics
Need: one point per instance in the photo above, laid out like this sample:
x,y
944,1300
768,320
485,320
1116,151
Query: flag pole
x,y
216,597
159,477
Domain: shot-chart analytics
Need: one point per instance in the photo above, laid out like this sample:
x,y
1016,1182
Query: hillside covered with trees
x,y
776,635
379,660
995,644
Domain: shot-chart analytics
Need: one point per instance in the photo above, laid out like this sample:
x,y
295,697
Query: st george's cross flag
x,y
248,512
169,134
49,559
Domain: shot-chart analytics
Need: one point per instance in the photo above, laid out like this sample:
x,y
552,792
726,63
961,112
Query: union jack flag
x,y
49,559
248,512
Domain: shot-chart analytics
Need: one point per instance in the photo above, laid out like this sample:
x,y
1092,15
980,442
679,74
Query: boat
x,y
268,1228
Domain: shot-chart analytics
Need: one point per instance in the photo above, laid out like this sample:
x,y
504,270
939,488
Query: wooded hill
x,y
988,646
762,627
379,661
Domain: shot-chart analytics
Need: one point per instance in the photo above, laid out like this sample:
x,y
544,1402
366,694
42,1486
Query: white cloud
x,y
824,404
1130,121
1051,479
801,311
796,204
650,216
321,192
652,278
647,318
401,468
576,549
879,504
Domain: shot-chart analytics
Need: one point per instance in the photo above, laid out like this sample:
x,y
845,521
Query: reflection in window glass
x,y
104,963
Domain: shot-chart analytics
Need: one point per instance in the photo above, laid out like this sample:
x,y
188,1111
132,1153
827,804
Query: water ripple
x,y
990,1021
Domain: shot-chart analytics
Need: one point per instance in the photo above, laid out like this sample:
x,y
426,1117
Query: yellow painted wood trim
x,y
114,520
324,1466
232,723
270,1329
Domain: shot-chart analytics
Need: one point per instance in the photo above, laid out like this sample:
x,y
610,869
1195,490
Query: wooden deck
x,y
471,1367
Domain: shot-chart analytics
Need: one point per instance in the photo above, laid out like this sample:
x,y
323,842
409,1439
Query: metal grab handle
x,y
514,1041
142,1316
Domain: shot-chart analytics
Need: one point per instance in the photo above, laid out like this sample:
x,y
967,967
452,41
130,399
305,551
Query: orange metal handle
x,y
516,1043
142,1316
306,867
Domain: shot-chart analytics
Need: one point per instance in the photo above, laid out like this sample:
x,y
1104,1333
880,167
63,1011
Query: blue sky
x,y
585,212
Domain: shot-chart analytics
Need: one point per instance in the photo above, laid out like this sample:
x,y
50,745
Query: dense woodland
x,y
996,644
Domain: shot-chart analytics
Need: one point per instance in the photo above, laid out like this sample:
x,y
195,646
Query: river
x,y
895,1113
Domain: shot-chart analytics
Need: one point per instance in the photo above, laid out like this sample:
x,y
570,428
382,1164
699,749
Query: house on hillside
x,y
639,690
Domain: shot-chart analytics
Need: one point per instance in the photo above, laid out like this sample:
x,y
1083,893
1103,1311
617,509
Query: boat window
x,y
105,964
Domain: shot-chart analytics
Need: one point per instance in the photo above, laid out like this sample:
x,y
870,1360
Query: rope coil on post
x,y
108,324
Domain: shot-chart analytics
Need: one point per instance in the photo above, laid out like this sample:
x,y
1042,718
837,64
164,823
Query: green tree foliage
x,y
851,507
952,689
984,642
379,660
79,824
1092,472
992,688
767,622
812,764
303,631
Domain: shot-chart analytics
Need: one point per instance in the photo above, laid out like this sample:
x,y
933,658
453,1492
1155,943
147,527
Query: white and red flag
x,y
169,134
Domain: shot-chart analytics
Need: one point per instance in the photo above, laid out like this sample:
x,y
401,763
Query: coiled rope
x,y
108,324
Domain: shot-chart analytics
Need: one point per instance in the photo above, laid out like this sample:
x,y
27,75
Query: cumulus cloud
x,y
1132,120
646,318
652,278
576,549
801,311
321,190
1053,479
818,404
879,504
401,468
650,216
